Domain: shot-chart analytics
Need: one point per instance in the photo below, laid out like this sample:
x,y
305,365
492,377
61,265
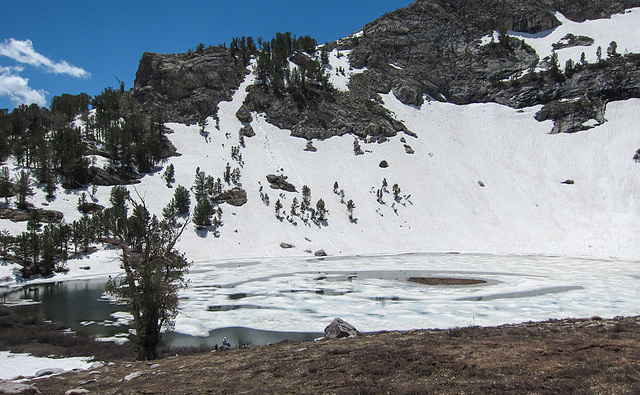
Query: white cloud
x,y
18,89
23,52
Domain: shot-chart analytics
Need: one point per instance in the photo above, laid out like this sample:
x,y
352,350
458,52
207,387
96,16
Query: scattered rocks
x,y
280,182
339,328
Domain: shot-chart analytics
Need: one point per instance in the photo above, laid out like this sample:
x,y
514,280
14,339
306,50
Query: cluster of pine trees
x,y
56,147
274,71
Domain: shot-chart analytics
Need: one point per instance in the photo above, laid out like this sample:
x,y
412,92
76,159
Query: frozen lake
x,y
372,292
257,299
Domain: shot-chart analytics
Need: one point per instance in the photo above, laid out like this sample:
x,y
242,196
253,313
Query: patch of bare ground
x,y
445,281
557,356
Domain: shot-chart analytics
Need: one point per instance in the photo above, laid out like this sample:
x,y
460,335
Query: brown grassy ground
x,y
553,357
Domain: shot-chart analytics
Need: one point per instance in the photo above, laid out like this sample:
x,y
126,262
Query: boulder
x,y
309,147
8,387
247,131
280,182
286,245
244,115
383,164
408,149
235,197
76,391
320,253
339,328
49,372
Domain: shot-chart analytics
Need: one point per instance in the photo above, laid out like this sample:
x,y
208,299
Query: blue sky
x,y
52,47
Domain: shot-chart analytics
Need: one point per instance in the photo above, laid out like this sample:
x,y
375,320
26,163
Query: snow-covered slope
x,y
523,207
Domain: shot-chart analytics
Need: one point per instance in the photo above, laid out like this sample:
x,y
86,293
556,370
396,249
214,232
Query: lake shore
x,y
557,356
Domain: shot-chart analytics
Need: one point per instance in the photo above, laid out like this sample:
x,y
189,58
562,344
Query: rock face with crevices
x,y
432,49
187,85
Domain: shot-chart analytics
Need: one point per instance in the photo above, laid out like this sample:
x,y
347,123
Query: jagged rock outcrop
x,y
46,216
333,114
187,85
432,48
109,176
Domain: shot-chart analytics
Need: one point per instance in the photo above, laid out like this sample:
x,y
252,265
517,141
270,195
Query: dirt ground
x,y
553,357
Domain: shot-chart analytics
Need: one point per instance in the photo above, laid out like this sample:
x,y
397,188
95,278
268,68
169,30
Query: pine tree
x,y
169,174
23,189
294,207
181,200
396,192
612,50
6,186
321,210
202,214
278,207
152,279
350,207
199,189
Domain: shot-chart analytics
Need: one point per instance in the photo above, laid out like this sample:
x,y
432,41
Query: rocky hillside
x,y
188,85
433,49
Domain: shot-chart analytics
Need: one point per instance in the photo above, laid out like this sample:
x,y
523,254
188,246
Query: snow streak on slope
x,y
621,28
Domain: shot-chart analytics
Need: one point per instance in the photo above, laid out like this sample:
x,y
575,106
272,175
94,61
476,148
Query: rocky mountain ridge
x,y
431,49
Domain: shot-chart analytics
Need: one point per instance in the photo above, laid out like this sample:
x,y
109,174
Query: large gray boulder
x,y
339,328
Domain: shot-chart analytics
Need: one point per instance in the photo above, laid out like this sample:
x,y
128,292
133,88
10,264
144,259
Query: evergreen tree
x,y
599,54
306,195
23,189
6,186
321,211
169,174
152,279
181,200
612,50
6,242
396,192
294,207
278,207
202,214
350,207
199,189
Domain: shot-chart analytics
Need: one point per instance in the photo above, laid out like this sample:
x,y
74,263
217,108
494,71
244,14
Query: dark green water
x,y
80,305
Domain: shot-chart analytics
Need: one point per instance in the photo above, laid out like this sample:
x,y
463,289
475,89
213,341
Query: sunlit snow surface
x,y
304,295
